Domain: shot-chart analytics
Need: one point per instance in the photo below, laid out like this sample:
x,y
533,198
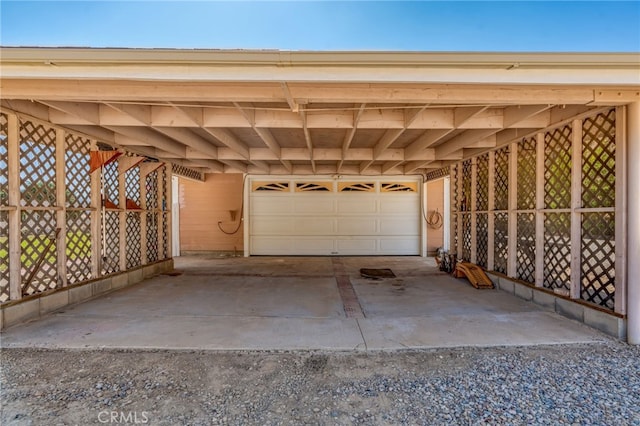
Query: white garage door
x,y
366,216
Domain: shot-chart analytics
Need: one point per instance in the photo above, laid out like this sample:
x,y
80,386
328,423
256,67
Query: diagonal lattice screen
x,y
482,247
78,246
598,259
500,242
110,182
77,179
557,250
527,174
455,176
37,165
465,202
132,184
526,248
482,183
599,160
38,231
152,236
557,168
111,242
4,256
454,239
501,179
466,236
4,161
133,239
151,182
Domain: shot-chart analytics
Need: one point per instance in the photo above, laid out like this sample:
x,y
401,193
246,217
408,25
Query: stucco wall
x,y
435,201
203,205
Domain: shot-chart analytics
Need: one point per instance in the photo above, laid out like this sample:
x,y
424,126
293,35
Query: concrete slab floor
x,y
274,303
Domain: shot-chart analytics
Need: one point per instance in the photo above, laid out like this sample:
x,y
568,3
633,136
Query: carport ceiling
x,y
273,112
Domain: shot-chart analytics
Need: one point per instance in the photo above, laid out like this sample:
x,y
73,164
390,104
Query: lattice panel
x,y
165,188
165,236
557,168
599,160
4,161
527,174
482,183
526,247
482,239
501,179
466,237
187,172
132,184
454,239
151,182
78,246
465,201
4,257
111,242
455,176
598,259
152,237
500,242
37,165
557,251
77,179
110,180
133,240
38,230
437,174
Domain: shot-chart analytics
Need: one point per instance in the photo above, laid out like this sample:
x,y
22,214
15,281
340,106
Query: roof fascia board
x,y
30,55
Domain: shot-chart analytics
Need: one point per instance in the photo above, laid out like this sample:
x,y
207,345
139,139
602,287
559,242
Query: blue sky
x,y
573,26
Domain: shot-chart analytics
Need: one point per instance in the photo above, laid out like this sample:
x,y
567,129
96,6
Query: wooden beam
x,y
515,114
228,139
467,140
348,138
463,114
287,95
427,139
307,138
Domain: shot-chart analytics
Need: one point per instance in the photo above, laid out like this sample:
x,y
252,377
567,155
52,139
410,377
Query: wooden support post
x,y
473,215
576,203
539,274
621,210
122,204
15,237
61,201
491,224
512,246
96,218
633,221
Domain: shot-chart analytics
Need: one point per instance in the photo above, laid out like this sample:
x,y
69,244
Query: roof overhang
x,y
310,112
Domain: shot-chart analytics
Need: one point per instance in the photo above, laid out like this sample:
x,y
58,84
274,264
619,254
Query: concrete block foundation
x,y
609,323
32,307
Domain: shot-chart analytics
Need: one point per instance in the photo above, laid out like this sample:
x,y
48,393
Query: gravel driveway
x,y
566,384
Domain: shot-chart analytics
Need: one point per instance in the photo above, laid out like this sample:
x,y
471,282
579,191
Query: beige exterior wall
x,y
435,201
203,205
